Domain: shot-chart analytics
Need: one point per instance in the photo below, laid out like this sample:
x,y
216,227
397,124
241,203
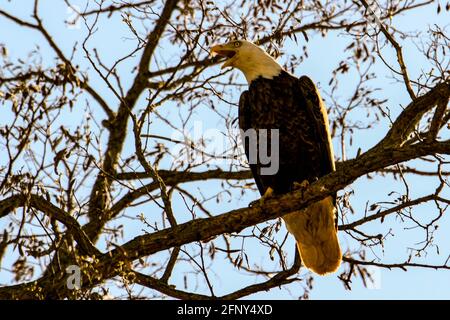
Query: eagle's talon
x,y
260,201
300,186
254,203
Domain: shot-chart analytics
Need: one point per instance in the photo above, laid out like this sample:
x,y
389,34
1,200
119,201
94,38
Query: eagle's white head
x,y
249,58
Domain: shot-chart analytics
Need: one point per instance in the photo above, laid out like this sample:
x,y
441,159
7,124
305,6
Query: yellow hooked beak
x,y
224,50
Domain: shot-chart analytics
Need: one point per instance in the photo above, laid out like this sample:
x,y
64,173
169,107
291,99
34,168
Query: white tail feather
x,y
315,231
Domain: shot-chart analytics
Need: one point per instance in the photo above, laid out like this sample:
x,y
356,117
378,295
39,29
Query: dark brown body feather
x,y
294,107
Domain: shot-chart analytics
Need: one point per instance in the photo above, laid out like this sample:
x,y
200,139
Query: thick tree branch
x,y
163,287
436,123
174,177
409,118
171,264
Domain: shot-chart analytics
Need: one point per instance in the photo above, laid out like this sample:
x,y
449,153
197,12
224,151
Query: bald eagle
x,y
276,99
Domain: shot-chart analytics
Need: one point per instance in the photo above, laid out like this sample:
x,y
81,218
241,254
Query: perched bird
x,y
276,99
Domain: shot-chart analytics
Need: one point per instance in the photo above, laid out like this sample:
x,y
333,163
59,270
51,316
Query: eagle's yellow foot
x,y
300,186
260,201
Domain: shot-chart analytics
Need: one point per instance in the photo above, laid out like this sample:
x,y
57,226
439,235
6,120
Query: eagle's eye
x,y
237,44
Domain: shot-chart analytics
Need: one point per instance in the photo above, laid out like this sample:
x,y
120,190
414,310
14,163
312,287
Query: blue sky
x,y
111,41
